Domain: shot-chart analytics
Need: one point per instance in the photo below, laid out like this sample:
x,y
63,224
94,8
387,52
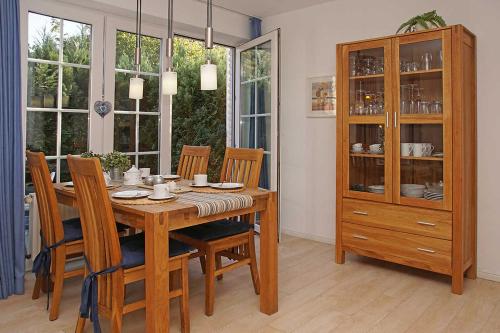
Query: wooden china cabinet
x,y
406,151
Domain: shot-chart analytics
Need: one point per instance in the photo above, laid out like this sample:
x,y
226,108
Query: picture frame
x,y
322,99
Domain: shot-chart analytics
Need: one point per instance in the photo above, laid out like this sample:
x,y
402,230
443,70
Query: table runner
x,y
211,204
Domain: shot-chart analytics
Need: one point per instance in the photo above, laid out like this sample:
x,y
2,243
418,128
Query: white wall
x,y
308,39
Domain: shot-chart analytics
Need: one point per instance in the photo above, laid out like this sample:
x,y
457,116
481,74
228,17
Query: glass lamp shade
x,y
208,77
169,83
135,88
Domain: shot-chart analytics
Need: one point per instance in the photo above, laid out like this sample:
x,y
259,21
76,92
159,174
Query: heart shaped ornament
x,y
102,108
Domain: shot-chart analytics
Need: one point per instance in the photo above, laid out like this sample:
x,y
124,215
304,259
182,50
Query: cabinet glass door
x,y
422,120
366,103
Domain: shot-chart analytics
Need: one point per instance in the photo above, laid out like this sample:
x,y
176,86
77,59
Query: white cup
x,y
357,147
376,147
428,149
145,172
418,149
172,186
406,149
200,180
160,191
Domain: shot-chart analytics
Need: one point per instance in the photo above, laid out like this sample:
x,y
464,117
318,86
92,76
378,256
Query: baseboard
x,y
308,236
488,276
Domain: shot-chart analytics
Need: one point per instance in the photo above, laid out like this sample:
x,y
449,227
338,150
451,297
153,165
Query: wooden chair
x,y
228,238
193,160
61,240
114,263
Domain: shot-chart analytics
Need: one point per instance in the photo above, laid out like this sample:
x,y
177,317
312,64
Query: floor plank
x,y
315,295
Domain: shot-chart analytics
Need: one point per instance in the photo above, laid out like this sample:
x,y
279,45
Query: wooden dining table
x,y
157,220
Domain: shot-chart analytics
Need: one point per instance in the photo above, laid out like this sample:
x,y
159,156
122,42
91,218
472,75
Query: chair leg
x,y
184,301
80,325
203,264
253,264
210,281
218,265
58,283
37,287
118,300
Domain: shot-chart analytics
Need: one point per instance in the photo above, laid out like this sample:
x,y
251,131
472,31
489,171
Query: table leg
x,y
157,273
269,257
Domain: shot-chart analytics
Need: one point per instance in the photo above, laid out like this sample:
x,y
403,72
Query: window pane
x,y
65,174
148,133
75,88
124,136
43,37
149,161
247,132
42,85
265,172
150,55
41,132
122,102
74,133
247,93
125,49
76,42
264,133
151,94
264,96
247,65
263,55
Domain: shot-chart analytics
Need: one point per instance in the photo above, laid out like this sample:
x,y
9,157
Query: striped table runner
x,y
211,204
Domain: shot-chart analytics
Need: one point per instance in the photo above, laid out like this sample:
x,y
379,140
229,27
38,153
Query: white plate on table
x,y
133,194
196,185
170,196
171,177
227,186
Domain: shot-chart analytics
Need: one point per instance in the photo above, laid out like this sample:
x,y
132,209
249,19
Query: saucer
x,y
375,151
195,185
170,196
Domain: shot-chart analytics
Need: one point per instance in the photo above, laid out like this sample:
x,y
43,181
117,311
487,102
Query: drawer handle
x,y
358,212
425,250
360,237
427,223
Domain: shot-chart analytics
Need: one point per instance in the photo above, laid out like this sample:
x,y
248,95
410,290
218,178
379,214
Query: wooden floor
x,y
315,295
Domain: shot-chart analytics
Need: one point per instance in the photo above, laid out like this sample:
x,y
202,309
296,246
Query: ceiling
x,y
263,8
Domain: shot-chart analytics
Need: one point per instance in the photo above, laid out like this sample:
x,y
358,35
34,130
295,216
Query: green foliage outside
x,y
199,117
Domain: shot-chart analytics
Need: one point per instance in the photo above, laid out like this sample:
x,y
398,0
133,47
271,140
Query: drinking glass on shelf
x,y
413,66
423,107
426,61
405,99
369,66
379,65
353,64
436,107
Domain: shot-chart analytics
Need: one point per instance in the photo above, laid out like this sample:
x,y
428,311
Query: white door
x,y
257,103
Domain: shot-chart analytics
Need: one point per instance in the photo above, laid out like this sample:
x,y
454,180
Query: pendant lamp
x,y
169,77
209,71
136,86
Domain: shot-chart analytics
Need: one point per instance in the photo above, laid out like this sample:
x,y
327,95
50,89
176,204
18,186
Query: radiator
x,y
34,242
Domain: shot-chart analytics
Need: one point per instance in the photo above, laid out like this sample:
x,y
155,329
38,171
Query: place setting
x,y
160,194
200,184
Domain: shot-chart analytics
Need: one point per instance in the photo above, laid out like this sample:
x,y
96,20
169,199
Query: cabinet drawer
x,y
413,250
425,222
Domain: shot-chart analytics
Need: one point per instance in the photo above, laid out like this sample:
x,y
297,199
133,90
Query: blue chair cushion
x,y
133,250
73,229
216,230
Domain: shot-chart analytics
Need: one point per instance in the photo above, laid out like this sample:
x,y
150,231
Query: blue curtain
x,y
255,27
11,152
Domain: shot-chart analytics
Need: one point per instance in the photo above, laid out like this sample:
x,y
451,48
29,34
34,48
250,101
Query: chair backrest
x,y
193,160
242,165
50,218
100,237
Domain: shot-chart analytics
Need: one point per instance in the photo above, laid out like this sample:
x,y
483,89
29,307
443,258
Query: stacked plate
x,y
412,190
429,195
376,189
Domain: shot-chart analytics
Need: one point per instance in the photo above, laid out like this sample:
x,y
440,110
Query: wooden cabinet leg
x,y
457,283
471,272
339,256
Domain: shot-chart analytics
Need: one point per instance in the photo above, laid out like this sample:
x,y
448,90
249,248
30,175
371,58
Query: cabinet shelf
x,y
374,120
421,119
422,72
368,155
423,158
361,77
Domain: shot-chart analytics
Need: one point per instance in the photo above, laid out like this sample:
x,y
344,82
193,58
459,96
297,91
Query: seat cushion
x,y
133,250
73,229
216,230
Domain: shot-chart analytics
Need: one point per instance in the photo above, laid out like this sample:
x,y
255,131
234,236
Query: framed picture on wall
x,y
322,97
